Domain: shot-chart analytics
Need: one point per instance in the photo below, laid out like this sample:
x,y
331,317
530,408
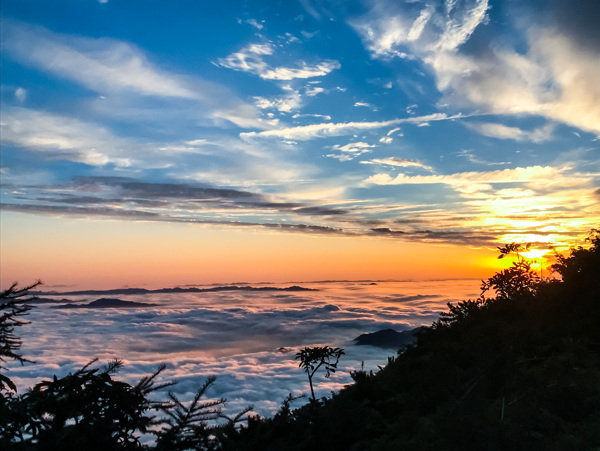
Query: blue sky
x,y
463,122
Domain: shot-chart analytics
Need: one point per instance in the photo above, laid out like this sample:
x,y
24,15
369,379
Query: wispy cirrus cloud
x,y
308,132
393,30
473,158
500,131
396,161
251,59
99,64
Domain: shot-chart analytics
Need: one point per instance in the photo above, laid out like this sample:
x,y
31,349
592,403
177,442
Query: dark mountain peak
x,y
389,338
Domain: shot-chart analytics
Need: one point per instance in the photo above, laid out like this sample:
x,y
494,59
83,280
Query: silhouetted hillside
x,y
516,369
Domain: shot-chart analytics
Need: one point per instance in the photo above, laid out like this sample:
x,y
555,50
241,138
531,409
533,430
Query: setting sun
x,y
534,254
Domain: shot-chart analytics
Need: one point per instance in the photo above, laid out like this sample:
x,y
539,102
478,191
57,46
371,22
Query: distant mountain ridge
x,y
107,303
130,291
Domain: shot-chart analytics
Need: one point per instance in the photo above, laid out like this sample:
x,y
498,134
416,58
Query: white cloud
x,y
395,31
311,92
20,94
289,38
386,140
322,116
285,103
364,104
356,147
418,25
500,131
250,59
307,132
244,116
351,150
63,137
100,64
395,161
459,28
309,35
196,142
304,71
341,157
255,24
478,160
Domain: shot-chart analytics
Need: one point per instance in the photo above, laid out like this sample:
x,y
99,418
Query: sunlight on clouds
x,y
576,71
527,174
546,199
553,78
535,253
516,216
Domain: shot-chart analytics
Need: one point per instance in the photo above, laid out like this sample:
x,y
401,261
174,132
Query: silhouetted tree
x,y
577,267
311,359
187,424
13,305
517,281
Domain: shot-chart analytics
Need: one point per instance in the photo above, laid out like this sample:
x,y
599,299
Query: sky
x,y
154,143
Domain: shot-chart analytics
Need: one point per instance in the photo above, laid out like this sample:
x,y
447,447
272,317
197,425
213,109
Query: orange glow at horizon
x,y
108,253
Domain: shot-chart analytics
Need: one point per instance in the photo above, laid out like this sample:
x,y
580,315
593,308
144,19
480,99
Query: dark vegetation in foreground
x,y
516,369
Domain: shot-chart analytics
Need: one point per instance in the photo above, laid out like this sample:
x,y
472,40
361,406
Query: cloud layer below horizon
x,y
247,339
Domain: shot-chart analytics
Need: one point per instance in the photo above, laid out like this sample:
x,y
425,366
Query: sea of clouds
x,y
248,339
